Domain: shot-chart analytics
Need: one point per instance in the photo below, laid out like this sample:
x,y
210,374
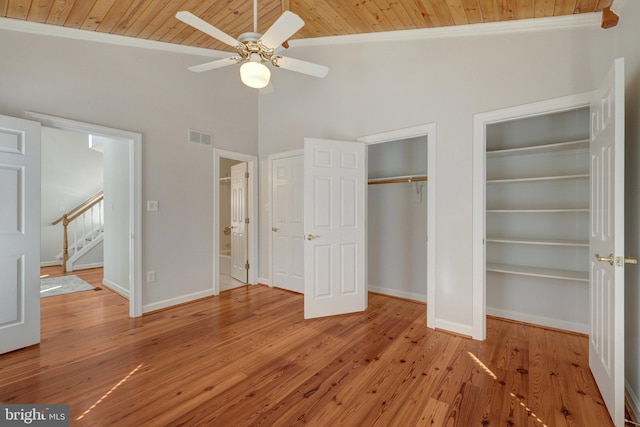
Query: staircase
x,y
84,227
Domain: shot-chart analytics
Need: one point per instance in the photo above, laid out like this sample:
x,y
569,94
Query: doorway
x,y
233,237
126,246
241,222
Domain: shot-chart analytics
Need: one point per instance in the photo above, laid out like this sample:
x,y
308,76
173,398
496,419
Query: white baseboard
x,y
632,399
457,328
177,300
87,266
398,293
50,263
116,288
539,320
264,281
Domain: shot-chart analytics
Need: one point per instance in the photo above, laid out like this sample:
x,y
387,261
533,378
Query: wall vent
x,y
197,137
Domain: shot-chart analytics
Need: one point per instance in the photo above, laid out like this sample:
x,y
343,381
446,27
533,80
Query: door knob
x,y
608,259
620,261
311,237
275,229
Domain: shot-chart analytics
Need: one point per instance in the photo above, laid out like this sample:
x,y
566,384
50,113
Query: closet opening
x,y
397,218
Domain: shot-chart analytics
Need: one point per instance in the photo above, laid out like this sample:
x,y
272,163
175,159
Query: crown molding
x,y
584,20
77,34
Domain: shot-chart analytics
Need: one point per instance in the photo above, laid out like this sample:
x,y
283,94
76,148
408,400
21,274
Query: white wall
x,y
383,86
153,93
628,32
116,214
71,174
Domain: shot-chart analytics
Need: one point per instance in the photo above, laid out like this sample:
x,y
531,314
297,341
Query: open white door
x,y
606,241
335,190
19,233
287,223
239,258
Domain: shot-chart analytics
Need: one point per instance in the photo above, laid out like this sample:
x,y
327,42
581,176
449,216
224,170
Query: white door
x,y
19,233
238,222
288,223
335,181
606,240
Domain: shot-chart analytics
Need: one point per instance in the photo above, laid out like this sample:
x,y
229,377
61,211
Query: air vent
x,y
197,137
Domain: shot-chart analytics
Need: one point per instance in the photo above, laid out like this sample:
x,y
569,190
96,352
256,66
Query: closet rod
x,y
397,179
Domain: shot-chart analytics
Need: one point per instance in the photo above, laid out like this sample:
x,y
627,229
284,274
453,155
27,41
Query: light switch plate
x,y
152,205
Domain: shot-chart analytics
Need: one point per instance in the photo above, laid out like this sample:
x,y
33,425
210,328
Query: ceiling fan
x,y
255,49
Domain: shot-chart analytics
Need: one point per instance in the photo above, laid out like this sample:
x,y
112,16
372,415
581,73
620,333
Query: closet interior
x,y
397,218
537,219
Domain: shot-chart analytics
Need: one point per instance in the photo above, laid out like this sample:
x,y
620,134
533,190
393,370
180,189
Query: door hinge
x,y
246,220
246,266
246,174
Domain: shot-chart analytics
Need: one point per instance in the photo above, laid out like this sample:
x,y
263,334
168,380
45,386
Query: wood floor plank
x,y
249,358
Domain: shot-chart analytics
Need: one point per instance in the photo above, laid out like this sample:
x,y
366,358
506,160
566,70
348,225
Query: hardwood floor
x,y
248,357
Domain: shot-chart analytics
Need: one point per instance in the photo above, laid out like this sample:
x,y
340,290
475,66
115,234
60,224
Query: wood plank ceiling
x,y
155,19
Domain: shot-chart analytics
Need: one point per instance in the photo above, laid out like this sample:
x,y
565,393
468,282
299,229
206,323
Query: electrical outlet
x,y
151,276
152,205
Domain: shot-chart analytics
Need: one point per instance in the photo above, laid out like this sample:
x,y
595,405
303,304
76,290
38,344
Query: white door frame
x,y
270,159
252,210
480,122
430,131
135,194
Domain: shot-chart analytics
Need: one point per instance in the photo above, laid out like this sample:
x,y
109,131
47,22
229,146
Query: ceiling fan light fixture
x,y
255,74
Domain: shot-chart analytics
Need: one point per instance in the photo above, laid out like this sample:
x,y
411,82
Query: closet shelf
x,y
551,210
539,179
545,242
398,179
535,149
225,179
548,273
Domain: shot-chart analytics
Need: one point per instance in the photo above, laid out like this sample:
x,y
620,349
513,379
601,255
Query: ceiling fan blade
x,y
219,63
302,66
287,25
190,19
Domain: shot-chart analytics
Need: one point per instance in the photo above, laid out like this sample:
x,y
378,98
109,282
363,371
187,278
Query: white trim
x,y
120,290
270,159
50,263
583,20
135,194
480,122
95,36
454,327
264,281
87,266
252,209
397,293
582,328
431,132
177,300
632,399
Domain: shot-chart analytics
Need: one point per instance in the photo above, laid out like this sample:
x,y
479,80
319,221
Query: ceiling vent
x,y
197,137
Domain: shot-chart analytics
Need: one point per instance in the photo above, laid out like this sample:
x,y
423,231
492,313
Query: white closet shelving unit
x,y
537,215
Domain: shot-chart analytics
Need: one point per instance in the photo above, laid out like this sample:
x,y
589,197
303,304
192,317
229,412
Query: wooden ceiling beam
x,y
609,18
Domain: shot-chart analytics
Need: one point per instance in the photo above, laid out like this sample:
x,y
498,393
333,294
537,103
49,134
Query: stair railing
x,y
88,215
